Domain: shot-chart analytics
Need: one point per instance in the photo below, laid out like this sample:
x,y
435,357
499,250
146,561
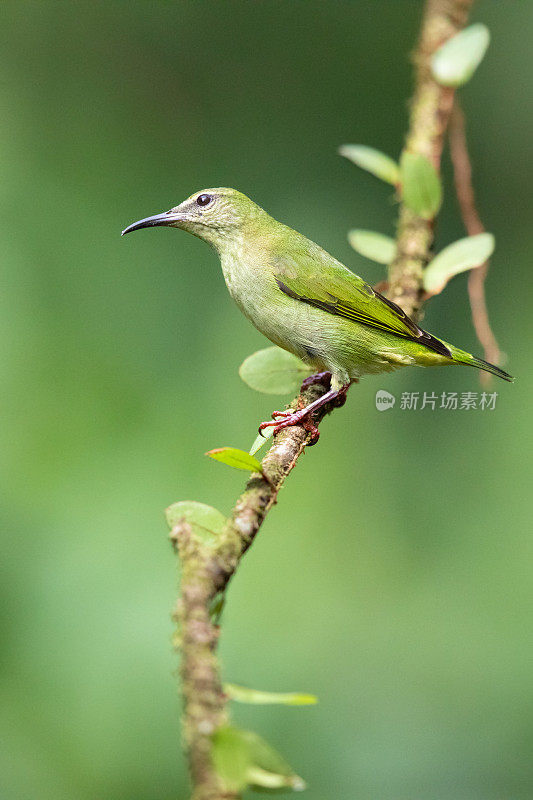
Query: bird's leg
x,y
320,377
303,415
343,391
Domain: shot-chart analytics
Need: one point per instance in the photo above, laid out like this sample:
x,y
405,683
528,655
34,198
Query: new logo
x,y
384,400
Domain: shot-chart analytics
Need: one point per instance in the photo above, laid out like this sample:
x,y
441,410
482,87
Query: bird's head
x,y
216,215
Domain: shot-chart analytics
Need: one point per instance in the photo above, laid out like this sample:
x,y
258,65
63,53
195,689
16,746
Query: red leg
x,y
320,377
304,414
343,391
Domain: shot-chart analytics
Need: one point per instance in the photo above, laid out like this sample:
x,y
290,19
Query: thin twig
x,y
462,175
206,571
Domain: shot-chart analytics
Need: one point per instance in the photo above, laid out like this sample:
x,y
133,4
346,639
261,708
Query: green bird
x,y
305,301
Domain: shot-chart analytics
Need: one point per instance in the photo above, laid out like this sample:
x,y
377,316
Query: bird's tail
x,y
461,357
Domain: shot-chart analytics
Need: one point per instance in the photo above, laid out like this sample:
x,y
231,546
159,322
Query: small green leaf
x,y
231,757
207,523
216,607
373,245
273,371
265,758
243,758
464,254
454,63
270,780
256,697
234,457
261,439
374,161
421,186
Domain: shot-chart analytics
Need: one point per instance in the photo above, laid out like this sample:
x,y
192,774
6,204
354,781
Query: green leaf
x,y
216,607
260,778
207,523
421,187
256,697
231,758
261,439
265,758
233,457
454,63
467,253
243,758
373,245
374,161
273,371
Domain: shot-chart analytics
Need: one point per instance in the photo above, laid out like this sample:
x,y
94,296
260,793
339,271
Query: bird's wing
x,y
332,287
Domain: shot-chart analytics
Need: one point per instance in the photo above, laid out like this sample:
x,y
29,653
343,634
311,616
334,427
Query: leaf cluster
x,y
416,180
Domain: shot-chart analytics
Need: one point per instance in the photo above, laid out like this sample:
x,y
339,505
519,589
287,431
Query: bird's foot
x,y
303,416
311,428
321,377
284,419
286,413
274,422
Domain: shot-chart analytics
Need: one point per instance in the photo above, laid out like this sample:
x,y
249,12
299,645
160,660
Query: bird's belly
x,y
346,349
286,324
322,340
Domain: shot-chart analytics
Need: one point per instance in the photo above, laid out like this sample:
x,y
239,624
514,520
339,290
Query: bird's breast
x,y
251,286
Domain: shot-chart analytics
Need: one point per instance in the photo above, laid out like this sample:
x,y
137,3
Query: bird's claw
x,y
274,422
290,418
311,428
304,416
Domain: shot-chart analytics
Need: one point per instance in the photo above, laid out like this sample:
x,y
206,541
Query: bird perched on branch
x,y
306,301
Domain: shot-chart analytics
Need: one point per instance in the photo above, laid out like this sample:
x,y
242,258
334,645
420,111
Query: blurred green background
x,y
394,577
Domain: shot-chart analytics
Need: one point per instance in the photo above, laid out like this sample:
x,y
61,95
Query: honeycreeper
x,y
305,301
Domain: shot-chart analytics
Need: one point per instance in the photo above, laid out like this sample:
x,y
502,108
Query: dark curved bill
x,y
158,219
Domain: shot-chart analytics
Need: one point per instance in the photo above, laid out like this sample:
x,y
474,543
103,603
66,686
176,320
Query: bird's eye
x,y
203,199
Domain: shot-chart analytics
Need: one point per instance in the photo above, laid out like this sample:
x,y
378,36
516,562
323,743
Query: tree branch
x,y
197,639
462,174
206,571
431,107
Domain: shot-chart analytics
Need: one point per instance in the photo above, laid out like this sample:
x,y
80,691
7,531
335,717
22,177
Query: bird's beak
x,y
168,218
